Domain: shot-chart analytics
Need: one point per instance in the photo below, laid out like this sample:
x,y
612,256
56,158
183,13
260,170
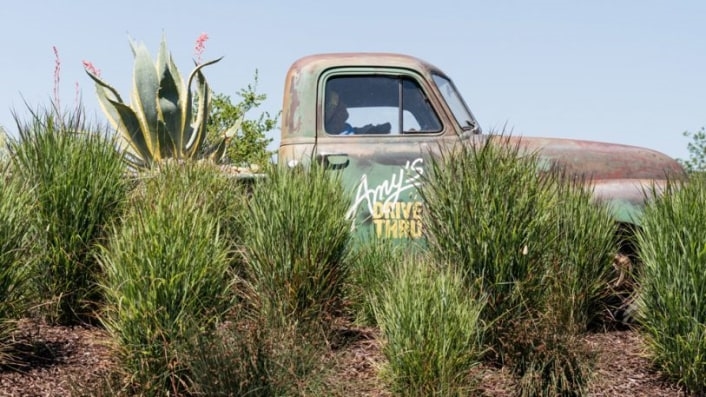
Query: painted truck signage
x,y
391,206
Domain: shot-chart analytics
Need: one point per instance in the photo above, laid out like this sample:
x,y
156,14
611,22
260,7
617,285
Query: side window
x,y
377,105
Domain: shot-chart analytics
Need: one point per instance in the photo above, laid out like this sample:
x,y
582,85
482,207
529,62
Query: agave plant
x,y
165,119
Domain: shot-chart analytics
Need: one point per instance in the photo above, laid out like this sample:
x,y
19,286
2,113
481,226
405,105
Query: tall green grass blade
x,y
374,263
671,302
167,273
79,186
431,329
296,240
533,241
15,258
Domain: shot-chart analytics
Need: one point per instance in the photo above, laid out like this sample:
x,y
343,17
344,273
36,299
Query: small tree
x,y
697,151
250,143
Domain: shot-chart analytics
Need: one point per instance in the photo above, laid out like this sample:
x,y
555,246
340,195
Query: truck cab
x,y
376,117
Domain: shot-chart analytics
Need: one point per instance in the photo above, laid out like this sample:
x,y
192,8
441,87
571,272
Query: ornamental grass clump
x,y
533,240
78,186
550,358
431,330
295,243
251,356
487,213
15,258
167,274
672,282
585,240
373,265
545,347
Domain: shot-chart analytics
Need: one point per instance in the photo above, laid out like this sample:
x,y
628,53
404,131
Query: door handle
x,y
333,161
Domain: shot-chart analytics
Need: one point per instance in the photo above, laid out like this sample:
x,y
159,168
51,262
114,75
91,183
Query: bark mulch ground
x,y
64,361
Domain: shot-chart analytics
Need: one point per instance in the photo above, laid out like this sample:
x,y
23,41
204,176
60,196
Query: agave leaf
x,y
233,130
106,93
216,152
144,97
186,108
106,103
162,54
165,143
105,85
170,111
130,129
133,46
198,128
135,161
170,94
121,117
168,104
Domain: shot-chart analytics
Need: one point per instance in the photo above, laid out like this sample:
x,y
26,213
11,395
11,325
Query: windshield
x,y
461,113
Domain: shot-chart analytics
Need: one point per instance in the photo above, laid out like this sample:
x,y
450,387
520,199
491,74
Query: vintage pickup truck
x,y
376,116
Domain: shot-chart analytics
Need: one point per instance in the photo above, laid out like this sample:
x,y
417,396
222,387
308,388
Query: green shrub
x,y
249,145
697,151
549,358
167,274
373,263
15,209
78,183
672,283
487,213
543,347
580,258
253,357
532,239
295,243
431,329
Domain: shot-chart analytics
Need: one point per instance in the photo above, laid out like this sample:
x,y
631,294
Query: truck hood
x,y
600,160
622,176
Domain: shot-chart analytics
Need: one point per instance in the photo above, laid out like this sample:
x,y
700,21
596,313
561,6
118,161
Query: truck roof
x,y
319,62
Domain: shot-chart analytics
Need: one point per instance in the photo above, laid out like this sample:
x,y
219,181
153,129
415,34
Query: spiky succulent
x,y
165,118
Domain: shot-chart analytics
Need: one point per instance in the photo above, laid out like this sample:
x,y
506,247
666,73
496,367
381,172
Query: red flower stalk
x,y
200,46
91,69
57,73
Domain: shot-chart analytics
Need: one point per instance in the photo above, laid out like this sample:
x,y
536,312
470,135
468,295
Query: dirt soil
x,y
63,361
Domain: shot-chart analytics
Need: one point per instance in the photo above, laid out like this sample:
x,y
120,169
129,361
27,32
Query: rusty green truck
x,y
374,116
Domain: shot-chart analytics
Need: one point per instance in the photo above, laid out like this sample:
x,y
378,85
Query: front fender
x,y
626,198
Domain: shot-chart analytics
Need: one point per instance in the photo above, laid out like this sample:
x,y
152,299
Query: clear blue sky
x,y
628,71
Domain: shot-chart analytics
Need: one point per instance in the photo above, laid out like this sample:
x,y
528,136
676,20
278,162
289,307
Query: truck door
x,y
378,129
